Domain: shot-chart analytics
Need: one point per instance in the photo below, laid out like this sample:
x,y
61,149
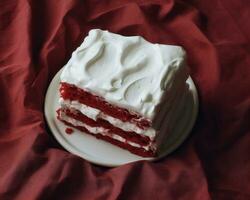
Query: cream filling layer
x,y
100,130
94,113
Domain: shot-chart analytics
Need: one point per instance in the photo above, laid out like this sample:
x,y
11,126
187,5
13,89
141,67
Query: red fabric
x,y
36,40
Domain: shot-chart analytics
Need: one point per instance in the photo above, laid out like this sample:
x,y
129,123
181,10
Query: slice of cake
x,y
124,90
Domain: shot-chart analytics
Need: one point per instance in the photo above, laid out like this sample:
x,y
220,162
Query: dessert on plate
x,y
124,90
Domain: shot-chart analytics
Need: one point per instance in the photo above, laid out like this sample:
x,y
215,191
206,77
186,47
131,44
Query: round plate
x,y
103,153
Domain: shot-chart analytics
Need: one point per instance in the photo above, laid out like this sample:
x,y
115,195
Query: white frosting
x,y
168,121
102,131
94,114
129,72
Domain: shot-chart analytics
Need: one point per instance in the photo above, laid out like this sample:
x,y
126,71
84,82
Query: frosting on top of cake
x,y
129,72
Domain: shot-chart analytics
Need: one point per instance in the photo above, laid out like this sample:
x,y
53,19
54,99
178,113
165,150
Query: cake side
x,y
118,128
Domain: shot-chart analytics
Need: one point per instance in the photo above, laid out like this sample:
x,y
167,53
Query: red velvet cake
x,y
124,90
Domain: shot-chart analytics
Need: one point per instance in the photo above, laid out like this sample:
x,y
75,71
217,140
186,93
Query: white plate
x,y
103,153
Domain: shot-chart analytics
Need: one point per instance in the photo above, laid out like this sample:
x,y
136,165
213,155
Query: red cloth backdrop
x,y
36,40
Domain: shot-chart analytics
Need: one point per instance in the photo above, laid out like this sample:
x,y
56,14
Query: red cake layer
x,y
71,92
138,151
129,136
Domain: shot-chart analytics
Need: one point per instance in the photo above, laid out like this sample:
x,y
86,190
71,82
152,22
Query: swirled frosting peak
x,y
127,71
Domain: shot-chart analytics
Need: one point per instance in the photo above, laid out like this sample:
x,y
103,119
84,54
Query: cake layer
x,y
72,93
95,114
128,72
102,133
104,125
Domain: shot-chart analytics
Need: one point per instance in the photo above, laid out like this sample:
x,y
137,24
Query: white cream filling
x,y
94,113
100,130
